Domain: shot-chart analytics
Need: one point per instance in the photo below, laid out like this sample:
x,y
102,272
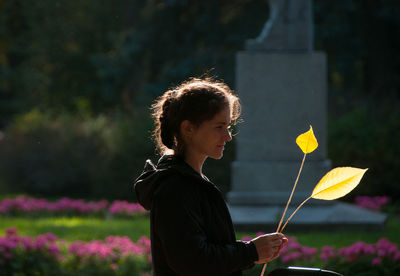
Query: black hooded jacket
x,y
191,229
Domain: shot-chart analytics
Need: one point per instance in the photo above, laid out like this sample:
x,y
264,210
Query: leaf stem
x,y
288,202
291,194
295,212
263,270
265,265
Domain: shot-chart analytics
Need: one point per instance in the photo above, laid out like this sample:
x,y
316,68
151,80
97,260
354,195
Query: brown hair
x,y
196,100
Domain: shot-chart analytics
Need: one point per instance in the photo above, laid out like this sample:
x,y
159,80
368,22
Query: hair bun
x,y
166,132
196,100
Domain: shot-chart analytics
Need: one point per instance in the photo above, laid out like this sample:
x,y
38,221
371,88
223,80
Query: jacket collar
x,y
149,180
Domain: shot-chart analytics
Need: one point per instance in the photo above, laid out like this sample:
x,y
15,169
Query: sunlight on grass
x,y
67,222
77,228
87,229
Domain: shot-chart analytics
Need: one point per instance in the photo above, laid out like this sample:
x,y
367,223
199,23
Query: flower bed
x,y
357,259
48,255
372,202
65,206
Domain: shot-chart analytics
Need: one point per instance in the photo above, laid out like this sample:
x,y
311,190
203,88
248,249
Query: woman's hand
x,y
268,246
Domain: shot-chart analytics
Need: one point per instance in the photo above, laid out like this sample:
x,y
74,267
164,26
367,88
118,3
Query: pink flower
x,y
50,237
41,242
28,243
369,249
259,234
114,266
113,247
246,238
29,204
291,256
374,203
54,250
104,251
123,207
8,244
376,261
75,246
293,244
396,256
327,253
309,251
145,242
11,232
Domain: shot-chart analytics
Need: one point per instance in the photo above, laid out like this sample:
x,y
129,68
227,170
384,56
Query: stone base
x,y
271,198
270,182
331,217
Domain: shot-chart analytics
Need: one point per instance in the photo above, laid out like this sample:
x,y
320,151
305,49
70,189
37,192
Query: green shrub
x,y
64,155
369,138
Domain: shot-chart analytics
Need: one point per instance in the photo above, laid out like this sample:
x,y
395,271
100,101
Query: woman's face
x,y
209,138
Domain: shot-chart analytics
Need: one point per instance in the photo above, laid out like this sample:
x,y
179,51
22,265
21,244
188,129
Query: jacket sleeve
x,y
177,222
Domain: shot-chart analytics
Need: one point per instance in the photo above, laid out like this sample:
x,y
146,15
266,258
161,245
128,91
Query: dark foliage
x,y
90,60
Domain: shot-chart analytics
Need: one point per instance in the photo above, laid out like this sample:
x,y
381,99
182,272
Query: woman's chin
x,y
217,156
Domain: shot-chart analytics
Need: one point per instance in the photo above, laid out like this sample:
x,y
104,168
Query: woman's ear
x,y
187,129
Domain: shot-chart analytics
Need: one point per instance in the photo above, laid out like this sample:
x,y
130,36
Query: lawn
x,y
93,228
79,228
87,229
345,238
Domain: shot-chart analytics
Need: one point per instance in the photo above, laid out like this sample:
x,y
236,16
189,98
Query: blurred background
x,y
77,79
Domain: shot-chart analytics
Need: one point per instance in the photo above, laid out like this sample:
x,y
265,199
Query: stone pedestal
x,y
282,94
270,182
336,216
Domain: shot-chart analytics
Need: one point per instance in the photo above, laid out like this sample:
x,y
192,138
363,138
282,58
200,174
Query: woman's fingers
x,y
276,242
269,246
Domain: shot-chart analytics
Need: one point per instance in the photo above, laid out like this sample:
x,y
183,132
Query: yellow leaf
x,y
307,141
337,183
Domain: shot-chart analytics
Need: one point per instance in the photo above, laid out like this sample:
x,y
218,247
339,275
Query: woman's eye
x,y
223,127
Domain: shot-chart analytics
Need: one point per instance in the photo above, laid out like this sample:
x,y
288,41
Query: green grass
x,y
86,229
79,228
345,238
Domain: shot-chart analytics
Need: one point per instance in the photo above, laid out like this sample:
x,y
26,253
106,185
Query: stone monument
x,y
282,84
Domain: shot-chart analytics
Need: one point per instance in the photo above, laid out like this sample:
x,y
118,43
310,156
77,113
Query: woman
x,y
191,228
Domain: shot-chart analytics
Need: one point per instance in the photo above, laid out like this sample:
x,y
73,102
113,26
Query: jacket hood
x,y
149,180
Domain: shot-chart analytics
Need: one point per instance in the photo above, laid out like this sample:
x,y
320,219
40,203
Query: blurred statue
x,y
289,27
